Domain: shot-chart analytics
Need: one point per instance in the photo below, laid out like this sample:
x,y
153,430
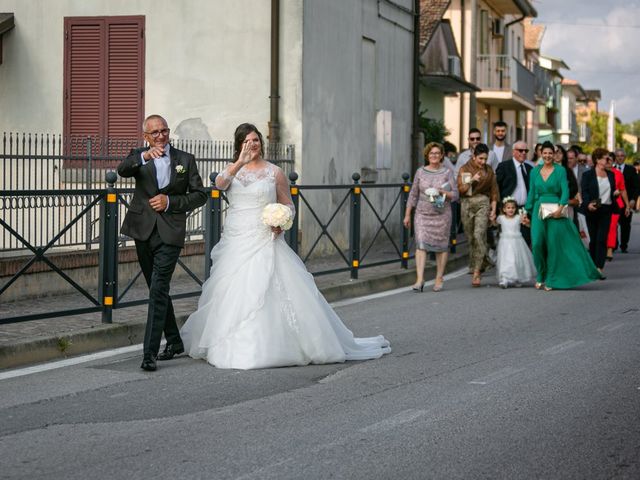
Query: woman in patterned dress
x,y
432,217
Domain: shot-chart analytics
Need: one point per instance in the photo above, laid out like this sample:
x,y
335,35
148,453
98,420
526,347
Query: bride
x,y
260,307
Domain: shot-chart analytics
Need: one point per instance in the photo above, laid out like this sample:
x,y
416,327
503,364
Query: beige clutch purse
x,y
548,209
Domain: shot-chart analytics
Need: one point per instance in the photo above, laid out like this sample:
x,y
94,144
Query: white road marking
x,y
611,327
134,348
394,421
561,347
495,376
69,361
396,291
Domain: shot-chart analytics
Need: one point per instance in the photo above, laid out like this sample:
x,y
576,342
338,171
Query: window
x,y
383,139
484,31
103,76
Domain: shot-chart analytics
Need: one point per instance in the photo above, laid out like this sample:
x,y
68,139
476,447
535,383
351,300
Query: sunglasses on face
x,y
474,139
523,150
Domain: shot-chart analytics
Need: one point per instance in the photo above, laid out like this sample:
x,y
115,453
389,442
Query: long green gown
x,y
559,255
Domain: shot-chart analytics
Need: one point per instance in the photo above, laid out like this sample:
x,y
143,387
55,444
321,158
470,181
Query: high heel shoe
x,y
547,289
475,282
437,286
539,285
418,288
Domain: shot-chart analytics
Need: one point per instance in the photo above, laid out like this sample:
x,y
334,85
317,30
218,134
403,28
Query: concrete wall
x,y
341,94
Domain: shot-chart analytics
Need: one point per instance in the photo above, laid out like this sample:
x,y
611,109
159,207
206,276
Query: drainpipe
x,y
416,85
474,65
274,123
463,49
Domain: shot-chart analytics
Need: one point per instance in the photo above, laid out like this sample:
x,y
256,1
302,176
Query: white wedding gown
x,y
260,307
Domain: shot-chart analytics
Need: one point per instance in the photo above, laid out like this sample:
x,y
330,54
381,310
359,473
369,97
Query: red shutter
x,y
124,71
104,77
84,77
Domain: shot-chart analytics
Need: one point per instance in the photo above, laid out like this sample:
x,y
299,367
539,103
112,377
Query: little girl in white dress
x,y
515,262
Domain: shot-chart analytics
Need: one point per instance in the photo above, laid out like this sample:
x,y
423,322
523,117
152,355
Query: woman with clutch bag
x,y
560,258
598,187
478,190
431,195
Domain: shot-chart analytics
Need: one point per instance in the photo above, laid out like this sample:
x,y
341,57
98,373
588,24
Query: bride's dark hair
x,y
240,134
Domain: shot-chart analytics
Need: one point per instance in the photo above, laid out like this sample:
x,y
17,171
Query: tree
x,y
598,129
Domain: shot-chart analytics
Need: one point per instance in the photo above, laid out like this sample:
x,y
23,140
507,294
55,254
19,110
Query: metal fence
x,y
68,167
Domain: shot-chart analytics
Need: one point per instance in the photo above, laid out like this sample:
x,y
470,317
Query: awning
x,y
441,66
6,22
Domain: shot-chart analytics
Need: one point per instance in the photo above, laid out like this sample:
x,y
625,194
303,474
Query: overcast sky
x,y
599,40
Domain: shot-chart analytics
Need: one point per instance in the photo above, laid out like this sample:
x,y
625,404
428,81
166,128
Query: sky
x,y
598,40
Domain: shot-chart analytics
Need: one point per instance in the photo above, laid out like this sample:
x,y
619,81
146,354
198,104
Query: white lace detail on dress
x,y
247,177
286,307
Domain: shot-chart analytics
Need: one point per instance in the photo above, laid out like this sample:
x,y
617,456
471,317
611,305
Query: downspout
x,y
416,85
462,138
274,123
474,64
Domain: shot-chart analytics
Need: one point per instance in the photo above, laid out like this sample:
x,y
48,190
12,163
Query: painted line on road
x,y
561,347
69,361
497,375
612,326
396,291
135,348
406,416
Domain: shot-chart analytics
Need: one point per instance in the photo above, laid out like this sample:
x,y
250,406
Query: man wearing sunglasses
x,y
475,138
168,186
513,180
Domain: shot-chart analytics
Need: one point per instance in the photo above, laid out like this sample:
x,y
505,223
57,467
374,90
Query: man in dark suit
x,y
631,185
513,180
573,164
167,187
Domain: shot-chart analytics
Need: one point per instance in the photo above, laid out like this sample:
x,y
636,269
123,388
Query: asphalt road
x,y
482,383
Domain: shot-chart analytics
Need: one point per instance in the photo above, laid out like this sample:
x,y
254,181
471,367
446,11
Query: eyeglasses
x,y
474,139
523,150
157,133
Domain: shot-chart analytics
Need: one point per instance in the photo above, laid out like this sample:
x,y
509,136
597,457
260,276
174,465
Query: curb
x,y
108,336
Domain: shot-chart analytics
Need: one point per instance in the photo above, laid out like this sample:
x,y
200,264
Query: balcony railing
x,y
505,73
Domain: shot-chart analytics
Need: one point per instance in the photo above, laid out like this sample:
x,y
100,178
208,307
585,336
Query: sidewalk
x,y
58,338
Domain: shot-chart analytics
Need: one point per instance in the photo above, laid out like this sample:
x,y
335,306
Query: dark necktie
x,y
525,176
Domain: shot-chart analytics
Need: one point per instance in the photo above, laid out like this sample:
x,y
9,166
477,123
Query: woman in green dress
x,y
558,253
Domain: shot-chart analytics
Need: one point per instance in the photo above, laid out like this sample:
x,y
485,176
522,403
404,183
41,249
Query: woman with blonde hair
x,y
431,195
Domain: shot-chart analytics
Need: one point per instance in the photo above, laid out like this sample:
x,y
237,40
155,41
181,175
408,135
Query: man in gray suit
x,y
577,168
167,187
500,147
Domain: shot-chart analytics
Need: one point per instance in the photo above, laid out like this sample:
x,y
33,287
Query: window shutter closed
x,y
104,77
124,94
85,76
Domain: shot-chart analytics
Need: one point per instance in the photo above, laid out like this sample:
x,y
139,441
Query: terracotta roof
x,y
533,35
431,12
569,81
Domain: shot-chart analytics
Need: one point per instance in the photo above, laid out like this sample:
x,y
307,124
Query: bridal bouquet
x,y
277,215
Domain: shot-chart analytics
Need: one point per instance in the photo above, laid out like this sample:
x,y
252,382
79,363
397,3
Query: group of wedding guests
x,y
547,210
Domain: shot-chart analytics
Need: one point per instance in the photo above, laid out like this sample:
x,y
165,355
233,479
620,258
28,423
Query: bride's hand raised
x,y
245,153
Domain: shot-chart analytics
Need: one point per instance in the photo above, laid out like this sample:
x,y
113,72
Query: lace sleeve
x,y
224,178
283,194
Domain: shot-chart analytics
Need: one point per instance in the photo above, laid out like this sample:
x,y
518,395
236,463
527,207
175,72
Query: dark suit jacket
x,y
507,178
590,190
631,182
185,192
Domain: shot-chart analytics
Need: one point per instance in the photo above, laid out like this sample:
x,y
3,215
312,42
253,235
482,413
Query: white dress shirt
x,y
163,167
520,193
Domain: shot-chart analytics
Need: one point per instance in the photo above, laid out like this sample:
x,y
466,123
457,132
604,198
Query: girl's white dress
x,y
260,307
515,261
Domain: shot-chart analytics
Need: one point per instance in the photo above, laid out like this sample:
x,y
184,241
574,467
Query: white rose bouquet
x,y
277,215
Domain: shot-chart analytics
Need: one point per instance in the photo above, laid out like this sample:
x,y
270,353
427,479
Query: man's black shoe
x,y
623,250
149,364
171,351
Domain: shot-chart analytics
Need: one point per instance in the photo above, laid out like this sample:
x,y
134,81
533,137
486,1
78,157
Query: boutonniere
x,y
180,169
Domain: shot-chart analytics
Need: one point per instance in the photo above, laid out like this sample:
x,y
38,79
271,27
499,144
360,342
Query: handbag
x,y
548,209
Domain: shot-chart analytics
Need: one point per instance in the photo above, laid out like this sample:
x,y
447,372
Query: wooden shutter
x,y
124,73
104,77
